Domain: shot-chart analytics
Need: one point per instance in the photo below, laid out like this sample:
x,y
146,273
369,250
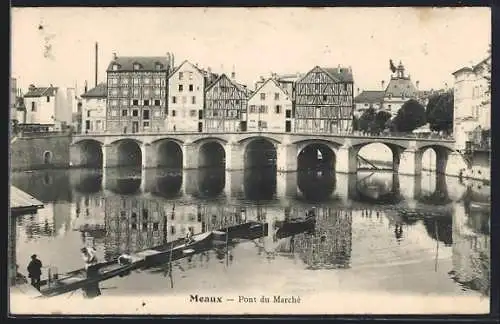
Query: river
x,y
377,233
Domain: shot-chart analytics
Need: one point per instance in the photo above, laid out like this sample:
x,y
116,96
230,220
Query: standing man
x,y
35,271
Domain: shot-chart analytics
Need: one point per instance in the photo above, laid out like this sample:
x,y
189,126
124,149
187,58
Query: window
x,y
114,92
180,88
181,75
157,81
193,100
173,113
262,124
146,102
157,113
114,102
145,114
145,124
136,81
113,81
174,99
158,66
157,102
115,67
137,66
124,113
125,81
156,226
278,109
324,97
146,92
184,99
135,102
136,92
191,87
276,96
147,80
288,113
262,96
48,99
190,75
157,92
192,113
253,109
47,157
33,106
114,112
263,109
135,112
125,92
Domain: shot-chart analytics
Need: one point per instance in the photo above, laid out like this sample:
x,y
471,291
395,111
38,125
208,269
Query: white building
x,y
472,106
94,109
186,94
366,100
270,108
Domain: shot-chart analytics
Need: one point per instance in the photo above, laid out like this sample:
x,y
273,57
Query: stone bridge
x,y
237,151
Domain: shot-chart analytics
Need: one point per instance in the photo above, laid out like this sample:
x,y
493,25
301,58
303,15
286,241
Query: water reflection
x,y
126,210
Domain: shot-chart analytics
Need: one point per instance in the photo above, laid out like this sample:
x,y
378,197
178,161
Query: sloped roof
x,y
370,96
239,86
276,83
148,63
398,87
34,92
340,73
100,91
464,69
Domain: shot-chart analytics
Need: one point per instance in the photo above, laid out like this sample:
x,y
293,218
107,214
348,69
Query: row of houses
x,y
150,94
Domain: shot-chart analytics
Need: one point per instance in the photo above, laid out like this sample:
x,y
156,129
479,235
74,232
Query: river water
x,y
375,232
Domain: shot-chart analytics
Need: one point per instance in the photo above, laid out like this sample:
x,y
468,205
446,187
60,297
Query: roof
x,y
464,69
340,73
239,86
276,83
370,96
398,87
148,63
184,62
21,202
34,92
100,91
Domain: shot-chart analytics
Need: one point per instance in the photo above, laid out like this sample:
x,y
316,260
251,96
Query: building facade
x,y
399,90
226,106
48,106
368,99
13,99
270,109
472,105
137,94
324,101
94,109
186,95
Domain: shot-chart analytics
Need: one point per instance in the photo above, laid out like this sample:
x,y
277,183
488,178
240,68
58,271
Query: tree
x,y
439,112
366,120
355,123
410,116
381,119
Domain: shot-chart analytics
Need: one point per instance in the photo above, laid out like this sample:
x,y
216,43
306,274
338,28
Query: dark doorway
x,y
288,126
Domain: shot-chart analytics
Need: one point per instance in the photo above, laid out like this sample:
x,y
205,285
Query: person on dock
x,y
90,259
189,235
35,271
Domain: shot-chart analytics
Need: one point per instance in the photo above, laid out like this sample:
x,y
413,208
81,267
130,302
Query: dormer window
x,y
115,67
158,66
137,66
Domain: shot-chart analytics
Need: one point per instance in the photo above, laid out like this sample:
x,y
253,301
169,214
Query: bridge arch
x,y
434,157
260,152
368,154
318,154
168,153
211,154
128,152
87,153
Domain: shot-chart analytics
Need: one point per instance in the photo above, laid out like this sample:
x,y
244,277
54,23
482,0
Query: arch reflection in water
x,y
87,181
378,188
316,184
211,182
331,243
123,181
167,183
260,183
434,189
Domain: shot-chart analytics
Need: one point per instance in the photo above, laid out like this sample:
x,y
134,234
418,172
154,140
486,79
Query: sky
x,y
57,45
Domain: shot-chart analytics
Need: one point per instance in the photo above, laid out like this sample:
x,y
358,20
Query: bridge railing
x,y
395,135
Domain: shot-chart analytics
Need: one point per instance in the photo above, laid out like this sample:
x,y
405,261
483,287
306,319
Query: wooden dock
x,y
23,203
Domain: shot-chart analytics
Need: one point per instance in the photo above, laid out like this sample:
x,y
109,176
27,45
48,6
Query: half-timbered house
x,y
226,106
324,101
137,94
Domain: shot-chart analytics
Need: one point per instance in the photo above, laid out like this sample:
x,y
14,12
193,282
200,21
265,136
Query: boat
x,y
287,229
246,231
123,265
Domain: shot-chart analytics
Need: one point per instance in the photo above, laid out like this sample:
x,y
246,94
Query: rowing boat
x,y
125,264
296,227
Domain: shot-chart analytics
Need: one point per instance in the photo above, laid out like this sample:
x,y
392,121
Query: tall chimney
x,y
417,83
96,61
382,83
86,87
